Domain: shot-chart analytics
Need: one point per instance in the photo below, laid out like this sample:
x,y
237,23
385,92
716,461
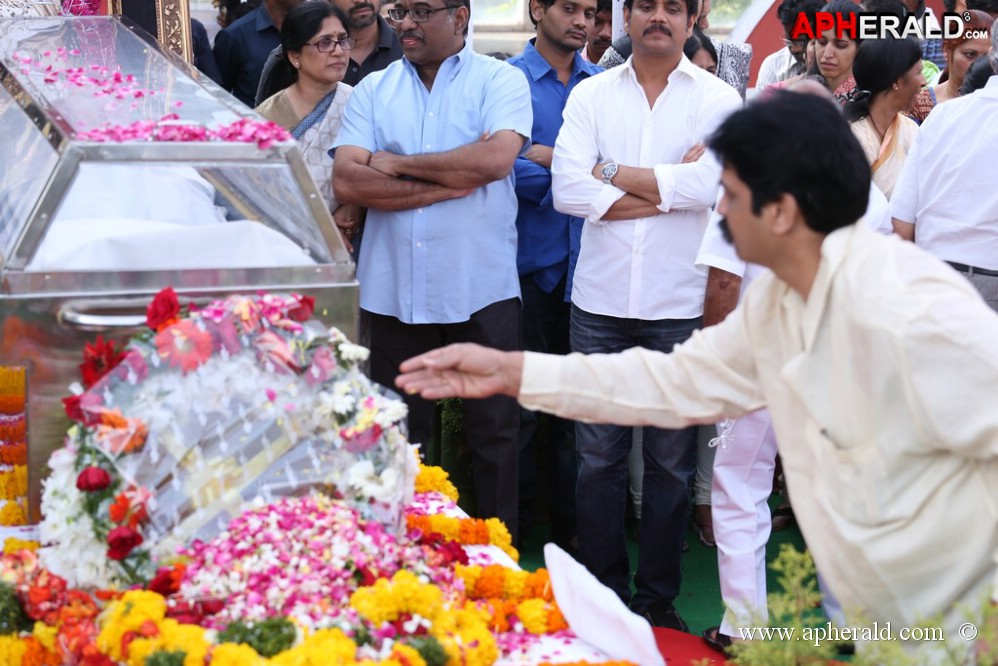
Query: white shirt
x,y
641,268
947,185
776,67
875,384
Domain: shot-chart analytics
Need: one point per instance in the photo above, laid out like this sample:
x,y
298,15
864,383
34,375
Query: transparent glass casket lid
x,y
130,202
58,60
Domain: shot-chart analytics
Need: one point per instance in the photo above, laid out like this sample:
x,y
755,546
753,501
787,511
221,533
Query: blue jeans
x,y
601,493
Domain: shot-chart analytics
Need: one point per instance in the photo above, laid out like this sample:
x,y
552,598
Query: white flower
x,y
362,478
352,353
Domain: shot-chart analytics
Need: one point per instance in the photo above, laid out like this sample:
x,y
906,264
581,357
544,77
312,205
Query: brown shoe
x,y
703,525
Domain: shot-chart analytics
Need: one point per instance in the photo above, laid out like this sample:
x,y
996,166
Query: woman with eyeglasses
x,y
306,94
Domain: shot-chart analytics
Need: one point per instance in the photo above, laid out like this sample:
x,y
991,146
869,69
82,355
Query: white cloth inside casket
x,y
128,217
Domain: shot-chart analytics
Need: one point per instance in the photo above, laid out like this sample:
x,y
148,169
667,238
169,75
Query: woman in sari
x,y
307,96
835,53
888,76
960,54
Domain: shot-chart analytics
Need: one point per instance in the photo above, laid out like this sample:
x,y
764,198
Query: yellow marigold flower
x,y
386,600
236,654
407,656
129,613
435,479
12,514
466,638
515,584
142,648
499,537
12,649
533,614
45,634
187,638
468,574
12,545
325,647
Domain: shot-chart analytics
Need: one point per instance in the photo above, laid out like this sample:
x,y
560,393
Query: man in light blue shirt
x,y
428,146
553,64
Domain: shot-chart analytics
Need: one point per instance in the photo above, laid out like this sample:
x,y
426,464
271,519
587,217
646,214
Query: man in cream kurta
x,y
876,360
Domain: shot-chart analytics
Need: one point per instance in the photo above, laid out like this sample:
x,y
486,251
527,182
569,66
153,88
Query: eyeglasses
x,y
798,44
418,15
327,44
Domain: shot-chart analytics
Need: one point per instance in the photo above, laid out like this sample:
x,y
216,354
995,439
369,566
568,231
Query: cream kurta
x,y
881,388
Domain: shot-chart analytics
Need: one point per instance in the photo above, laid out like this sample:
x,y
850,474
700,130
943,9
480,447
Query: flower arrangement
x,y
13,459
465,531
208,409
300,558
53,69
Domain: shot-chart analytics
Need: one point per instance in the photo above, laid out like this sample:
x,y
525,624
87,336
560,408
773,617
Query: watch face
x,y
609,171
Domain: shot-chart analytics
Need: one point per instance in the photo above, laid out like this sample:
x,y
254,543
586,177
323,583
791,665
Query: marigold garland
x,y
13,430
13,545
498,582
432,479
466,531
14,482
12,514
14,454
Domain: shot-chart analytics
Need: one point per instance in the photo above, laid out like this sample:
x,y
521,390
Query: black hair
x,y
894,7
878,64
699,42
949,6
790,9
987,6
771,144
544,3
977,75
841,9
692,6
454,4
603,5
302,23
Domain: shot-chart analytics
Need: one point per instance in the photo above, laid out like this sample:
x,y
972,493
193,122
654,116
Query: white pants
x,y
743,480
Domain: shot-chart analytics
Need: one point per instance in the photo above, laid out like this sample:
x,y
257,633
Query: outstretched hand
x,y
462,371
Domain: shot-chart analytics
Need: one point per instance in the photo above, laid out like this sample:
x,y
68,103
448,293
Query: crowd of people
x,y
555,205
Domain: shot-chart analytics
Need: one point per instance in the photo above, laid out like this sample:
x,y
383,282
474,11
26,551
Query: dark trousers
x,y
670,462
545,329
490,425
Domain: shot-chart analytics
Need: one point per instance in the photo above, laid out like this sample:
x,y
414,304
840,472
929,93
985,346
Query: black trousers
x,y
490,425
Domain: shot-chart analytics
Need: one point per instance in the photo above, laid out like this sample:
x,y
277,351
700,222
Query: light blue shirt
x,y
441,263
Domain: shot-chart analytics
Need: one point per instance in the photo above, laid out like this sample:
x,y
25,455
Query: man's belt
x,y
972,270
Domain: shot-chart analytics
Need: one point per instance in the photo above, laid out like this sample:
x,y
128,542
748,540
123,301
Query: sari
x,y
886,157
315,133
841,93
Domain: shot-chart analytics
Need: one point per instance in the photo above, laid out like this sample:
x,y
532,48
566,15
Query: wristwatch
x,y
609,171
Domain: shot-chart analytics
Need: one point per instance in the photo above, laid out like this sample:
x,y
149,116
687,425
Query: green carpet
x,y
699,602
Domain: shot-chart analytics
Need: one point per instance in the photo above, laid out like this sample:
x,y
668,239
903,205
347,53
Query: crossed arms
x,y
387,181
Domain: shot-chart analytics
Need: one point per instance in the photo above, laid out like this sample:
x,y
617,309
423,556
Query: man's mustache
x,y
657,27
412,34
362,5
726,231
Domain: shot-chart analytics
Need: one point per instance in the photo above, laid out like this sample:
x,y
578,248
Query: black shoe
x,y
664,614
715,640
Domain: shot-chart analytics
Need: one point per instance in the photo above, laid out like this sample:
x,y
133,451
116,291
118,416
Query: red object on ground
x,y
680,649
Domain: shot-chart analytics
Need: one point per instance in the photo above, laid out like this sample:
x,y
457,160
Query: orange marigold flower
x,y
14,454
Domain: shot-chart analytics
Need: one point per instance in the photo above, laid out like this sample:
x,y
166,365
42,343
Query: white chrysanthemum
x,y
353,353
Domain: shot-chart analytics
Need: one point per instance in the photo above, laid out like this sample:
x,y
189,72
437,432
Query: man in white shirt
x,y
945,198
619,167
788,62
871,355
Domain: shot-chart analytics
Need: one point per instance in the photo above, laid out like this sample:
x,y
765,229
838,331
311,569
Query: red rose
x,y
99,359
92,479
122,541
163,310
306,306
72,407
